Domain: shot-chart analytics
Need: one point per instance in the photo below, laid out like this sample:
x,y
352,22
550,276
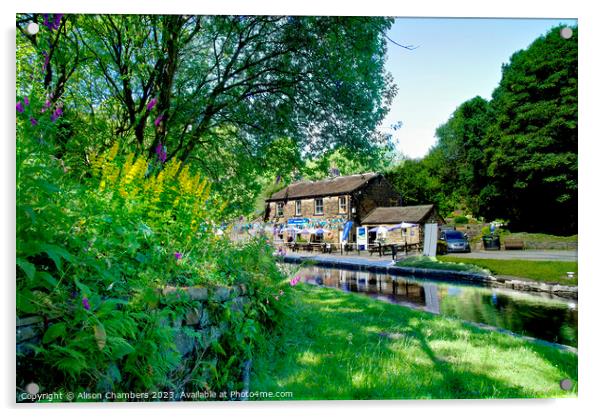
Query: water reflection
x,y
534,314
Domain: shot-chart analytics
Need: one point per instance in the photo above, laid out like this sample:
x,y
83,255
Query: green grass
x,y
433,263
541,237
545,271
336,345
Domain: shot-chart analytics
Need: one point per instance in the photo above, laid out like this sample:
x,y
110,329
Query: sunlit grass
x,y
546,271
436,263
360,348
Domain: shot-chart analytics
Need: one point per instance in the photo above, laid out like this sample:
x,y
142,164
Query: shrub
x,y
94,250
461,220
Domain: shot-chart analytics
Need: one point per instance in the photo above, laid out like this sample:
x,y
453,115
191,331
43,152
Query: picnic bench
x,y
510,244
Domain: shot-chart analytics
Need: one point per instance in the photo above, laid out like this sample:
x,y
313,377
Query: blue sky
x,y
457,59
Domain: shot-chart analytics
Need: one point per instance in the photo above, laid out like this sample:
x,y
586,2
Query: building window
x,y
298,208
342,204
280,209
319,206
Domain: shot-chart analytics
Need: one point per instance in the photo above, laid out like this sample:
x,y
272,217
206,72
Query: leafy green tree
x,y
532,143
462,140
514,157
174,85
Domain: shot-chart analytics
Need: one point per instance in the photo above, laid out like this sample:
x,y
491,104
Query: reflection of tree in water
x,y
555,323
520,313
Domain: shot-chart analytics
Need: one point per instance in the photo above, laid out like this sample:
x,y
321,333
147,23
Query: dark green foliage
x,y
514,157
532,153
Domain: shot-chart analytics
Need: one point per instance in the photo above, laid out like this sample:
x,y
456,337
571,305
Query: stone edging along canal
x,y
567,291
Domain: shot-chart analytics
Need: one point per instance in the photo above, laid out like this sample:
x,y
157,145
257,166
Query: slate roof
x,y
328,187
395,215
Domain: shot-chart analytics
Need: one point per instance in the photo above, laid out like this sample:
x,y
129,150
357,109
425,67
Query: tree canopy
x,y
219,91
513,157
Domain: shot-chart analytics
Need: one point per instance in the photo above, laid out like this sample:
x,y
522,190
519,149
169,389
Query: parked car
x,y
455,241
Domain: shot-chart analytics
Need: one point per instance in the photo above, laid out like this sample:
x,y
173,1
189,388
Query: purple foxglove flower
x,y
86,303
56,23
57,113
33,121
158,120
178,255
151,104
161,152
26,100
20,107
47,21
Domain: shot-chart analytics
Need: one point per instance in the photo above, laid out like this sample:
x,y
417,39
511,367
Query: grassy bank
x,y
541,237
433,263
336,345
545,271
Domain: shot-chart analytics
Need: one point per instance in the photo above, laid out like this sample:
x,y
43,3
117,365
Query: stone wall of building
x,y
377,193
330,204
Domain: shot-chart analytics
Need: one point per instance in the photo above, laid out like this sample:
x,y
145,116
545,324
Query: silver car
x,y
456,241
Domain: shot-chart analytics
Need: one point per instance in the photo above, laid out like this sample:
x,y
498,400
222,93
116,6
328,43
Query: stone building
x,y
329,204
389,217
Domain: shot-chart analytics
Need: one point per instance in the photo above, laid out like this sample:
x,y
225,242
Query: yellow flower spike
x,y
113,152
96,163
127,165
201,188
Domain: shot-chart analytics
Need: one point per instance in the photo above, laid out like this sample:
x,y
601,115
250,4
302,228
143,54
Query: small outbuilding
x,y
404,224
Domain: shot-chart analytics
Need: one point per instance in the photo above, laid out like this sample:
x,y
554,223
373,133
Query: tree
x,y
173,85
514,157
462,141
532,155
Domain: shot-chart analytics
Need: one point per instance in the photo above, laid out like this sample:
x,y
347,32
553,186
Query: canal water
x,y
539,315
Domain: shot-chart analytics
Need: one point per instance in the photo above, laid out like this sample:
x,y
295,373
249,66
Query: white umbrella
x,y
402,225
378,230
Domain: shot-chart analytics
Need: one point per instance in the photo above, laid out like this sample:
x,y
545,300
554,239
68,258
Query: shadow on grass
x,y
344,346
